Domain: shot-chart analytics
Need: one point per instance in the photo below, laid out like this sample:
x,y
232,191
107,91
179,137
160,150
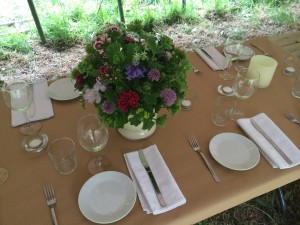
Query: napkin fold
x,y
213,58
165,181
41,109
269,137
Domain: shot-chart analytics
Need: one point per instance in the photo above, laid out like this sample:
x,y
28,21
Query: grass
x,y
263,210
68,22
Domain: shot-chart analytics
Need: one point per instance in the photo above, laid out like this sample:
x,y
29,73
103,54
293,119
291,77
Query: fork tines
x,y
49,192
193,141
292,118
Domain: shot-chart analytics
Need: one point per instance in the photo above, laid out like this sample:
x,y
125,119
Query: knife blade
x,y
153,181
282,154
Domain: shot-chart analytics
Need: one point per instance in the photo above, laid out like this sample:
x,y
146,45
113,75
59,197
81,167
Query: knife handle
x,y
159,196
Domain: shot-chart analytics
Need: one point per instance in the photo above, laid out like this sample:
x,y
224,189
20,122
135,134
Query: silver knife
x,y
283,155
153,181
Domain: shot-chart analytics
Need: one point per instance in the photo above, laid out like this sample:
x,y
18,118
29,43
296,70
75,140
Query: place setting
x,y
29,104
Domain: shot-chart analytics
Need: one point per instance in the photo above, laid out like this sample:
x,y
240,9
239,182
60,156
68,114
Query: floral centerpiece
x,y
129,74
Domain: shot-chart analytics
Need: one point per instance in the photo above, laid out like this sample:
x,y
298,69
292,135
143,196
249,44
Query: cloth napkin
x,y
165,181
213,58
275,137
41,109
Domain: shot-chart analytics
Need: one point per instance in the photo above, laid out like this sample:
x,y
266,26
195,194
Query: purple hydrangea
x,y
154,75
108,107
168,95
135,71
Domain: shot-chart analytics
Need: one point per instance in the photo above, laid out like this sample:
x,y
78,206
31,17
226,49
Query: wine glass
x,y
239,52
244,86
93,136
232,50
19,97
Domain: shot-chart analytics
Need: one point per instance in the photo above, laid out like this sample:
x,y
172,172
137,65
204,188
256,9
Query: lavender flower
x,y
154,75
108,107
102,87
135,71
93,95
168,95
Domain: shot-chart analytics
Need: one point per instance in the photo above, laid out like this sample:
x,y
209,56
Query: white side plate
x,y
234,151
63,89
107,197
247,53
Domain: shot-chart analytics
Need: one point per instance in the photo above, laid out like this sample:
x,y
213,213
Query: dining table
x,y
22,199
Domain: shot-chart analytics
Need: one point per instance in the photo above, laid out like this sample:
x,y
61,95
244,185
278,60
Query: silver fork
x,y
292,118
197,149
51,201
261,49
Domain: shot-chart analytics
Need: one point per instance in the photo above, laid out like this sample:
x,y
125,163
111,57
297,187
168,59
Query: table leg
x,y
283,208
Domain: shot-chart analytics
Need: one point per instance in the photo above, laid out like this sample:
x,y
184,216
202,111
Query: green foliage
x,y
281,16
14,42
67,21
59,32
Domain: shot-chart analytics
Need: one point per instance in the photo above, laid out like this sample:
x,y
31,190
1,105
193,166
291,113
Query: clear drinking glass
x,y
93,136
243,87
18,96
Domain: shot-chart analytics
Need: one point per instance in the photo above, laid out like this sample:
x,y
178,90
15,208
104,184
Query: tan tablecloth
x,y
22,198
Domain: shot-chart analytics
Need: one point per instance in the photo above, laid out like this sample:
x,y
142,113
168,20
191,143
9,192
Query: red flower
x,y
102,70
97,45
114,29
128,99
128,40
79,79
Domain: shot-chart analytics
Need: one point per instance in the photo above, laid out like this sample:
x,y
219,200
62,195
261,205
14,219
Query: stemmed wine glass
x,y
244,86
93,136
19,97
232,51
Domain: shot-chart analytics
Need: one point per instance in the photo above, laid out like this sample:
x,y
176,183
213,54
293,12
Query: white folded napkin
x,y
42,107
213,58
165,181
275,137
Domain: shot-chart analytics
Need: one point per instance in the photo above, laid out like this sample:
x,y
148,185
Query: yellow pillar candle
x,y
265,66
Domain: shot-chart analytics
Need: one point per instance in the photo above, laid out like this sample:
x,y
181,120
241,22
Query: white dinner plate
x,y
234,151
63,89
247,52
107,197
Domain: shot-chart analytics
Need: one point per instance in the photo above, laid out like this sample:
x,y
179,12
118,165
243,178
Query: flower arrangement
x,y
129,74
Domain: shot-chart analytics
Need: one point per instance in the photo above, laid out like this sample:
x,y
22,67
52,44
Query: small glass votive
x,y
187,102
35,142
62,153
289,66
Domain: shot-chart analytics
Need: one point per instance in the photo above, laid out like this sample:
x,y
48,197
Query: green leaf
x,y
161,121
